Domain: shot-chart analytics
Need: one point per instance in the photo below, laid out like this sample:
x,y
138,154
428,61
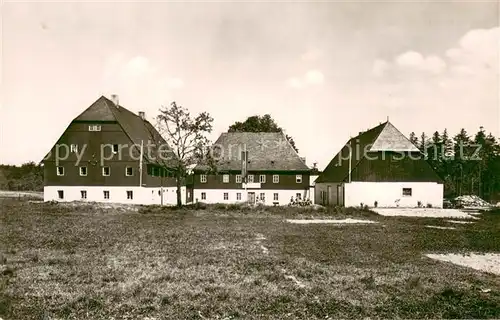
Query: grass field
x,y
85,263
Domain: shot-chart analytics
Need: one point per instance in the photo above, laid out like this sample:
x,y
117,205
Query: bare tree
x,y
186,136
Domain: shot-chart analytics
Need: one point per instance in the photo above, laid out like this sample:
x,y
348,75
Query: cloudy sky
x,y
324,71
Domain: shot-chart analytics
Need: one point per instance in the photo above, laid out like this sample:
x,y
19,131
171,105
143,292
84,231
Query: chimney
x,y
114,98
142,115
315,165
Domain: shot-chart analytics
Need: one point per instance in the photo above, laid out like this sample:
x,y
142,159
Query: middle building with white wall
x,y
254,167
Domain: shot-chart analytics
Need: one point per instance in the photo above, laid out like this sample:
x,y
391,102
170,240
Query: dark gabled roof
x,y
382,138
338,168
139,130
267,151
136,129
98,111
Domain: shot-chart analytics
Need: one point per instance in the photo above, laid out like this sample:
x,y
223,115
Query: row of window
x,y
261,197
83,194
106,171
250,178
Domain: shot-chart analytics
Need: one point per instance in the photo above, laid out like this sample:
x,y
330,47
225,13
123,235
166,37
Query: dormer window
x,y
115,148
94,127
60,171
73,148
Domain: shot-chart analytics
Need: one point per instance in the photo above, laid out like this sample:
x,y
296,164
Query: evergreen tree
x,y
462,165
423,143
462,143
434,152
413,138
447,144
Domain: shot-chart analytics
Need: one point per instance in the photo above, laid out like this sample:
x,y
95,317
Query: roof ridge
x,y
384,125
406,138
119,121
378,135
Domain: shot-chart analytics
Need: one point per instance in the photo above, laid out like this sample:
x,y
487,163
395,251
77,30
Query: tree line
x,y
27,177
468,164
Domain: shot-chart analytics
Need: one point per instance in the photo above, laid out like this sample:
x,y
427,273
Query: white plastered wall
x,y
141,195
390,194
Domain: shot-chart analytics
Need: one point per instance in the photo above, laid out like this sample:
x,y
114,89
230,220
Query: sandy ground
x,y
489,262
344,221
424,212
439,227
15,194
459,221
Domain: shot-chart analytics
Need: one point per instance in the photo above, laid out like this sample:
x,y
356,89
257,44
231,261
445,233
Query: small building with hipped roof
x,y
379,168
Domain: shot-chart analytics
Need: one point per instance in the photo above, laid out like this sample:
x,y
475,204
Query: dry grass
x,y
80,262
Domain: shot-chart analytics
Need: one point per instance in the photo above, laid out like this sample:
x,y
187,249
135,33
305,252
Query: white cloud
x,y
417,62
314,77
311,78
478,51
434,64
138,81
137,71
410,59
460,85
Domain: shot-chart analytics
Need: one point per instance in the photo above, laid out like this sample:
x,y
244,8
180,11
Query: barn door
x,y
328,195
251,197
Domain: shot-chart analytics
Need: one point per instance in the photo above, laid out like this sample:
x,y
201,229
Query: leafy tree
x,y
27,177
260,124
186,136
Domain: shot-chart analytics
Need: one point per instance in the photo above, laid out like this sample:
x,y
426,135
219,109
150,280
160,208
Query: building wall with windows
x,y
267,180
229,187
100,150
264,196
114,194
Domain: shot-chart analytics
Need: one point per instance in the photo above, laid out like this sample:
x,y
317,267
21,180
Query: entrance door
x,y
340,192
189,195
328,195
251,197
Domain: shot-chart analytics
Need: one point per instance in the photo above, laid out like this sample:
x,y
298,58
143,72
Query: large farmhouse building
x,y
109,154
379,167
274,171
